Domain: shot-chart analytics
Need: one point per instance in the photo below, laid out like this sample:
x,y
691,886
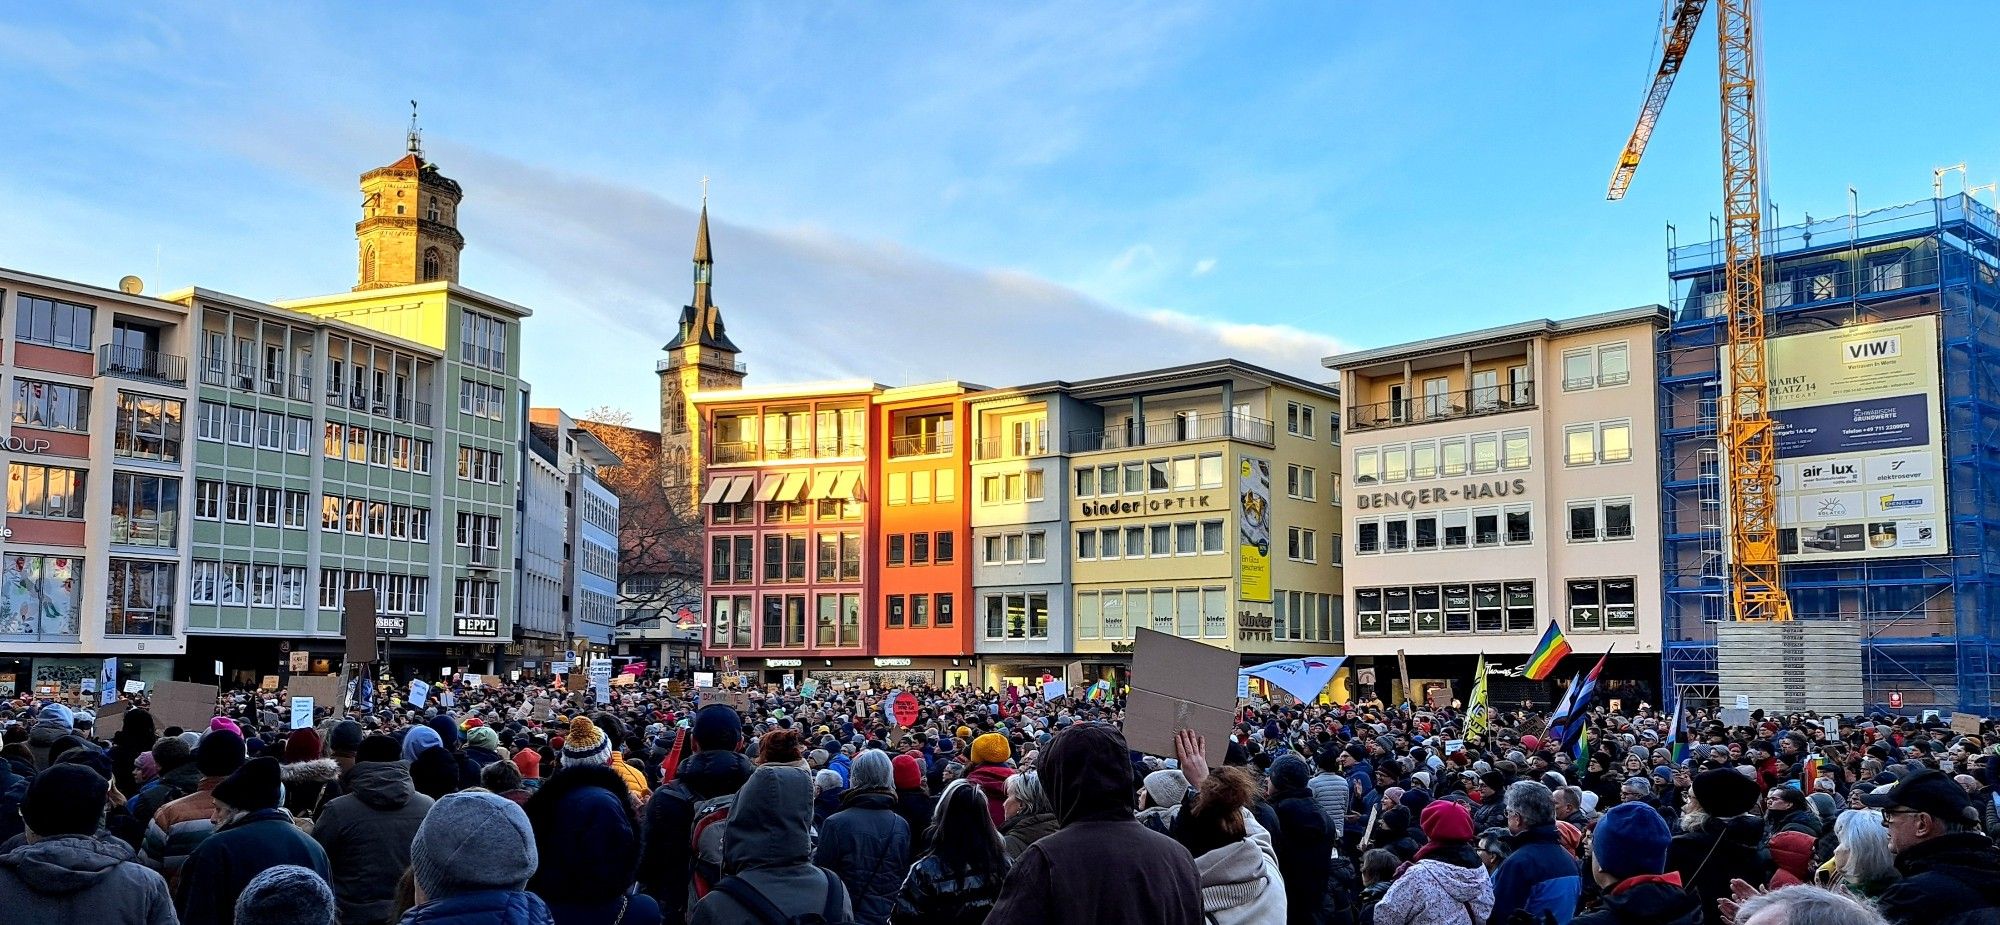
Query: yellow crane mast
x,y
1748,436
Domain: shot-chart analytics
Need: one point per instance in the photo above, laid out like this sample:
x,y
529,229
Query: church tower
x,y
700,358
408,231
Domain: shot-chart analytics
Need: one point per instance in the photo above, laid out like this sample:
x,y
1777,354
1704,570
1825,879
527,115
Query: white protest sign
x,y
704,679
420,691
134,686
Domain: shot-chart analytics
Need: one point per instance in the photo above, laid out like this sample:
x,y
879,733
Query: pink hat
x,y
1531,743
224,722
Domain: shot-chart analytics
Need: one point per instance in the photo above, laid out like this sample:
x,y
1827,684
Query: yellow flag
x,y
1476,715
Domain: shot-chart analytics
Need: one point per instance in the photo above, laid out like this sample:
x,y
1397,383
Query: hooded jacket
x,y
1101,867
309,784
992,778
868,845
1648,900
80,880
664,861
1791,854
769,848
367,835
589,850
1436,892
1304,842
1947,880
487,907
1241,883
42,737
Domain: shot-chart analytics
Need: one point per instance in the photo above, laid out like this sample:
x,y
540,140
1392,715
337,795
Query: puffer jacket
x,y
1434,892
868,845
1332,792
177,829
367,836
937,894
1538,877
1240,881
80,880
1026,829
309,785
635,779
490,907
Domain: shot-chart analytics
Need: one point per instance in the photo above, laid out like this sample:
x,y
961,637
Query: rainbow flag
x,y
1812,767
1548,653
1099,689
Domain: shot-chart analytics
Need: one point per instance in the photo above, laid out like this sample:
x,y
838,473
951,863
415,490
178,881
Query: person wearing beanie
x,y
528,762
768,848
585,744
716,769
471,860
587,836
1722,839
178,777
1628,860
286,895
253,833
482,745
180,826
52,722
1331,790
65,872
913,802
866,843
342,740
989,771
1445,883
1303,839
310,780
135,736
366,833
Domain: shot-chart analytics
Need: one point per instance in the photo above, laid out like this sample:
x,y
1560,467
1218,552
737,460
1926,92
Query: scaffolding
x,y
1928,621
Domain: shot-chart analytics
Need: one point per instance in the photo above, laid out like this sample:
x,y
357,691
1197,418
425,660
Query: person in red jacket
x,y
989,770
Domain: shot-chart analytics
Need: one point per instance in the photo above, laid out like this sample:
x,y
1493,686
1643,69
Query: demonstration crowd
x,y
526,804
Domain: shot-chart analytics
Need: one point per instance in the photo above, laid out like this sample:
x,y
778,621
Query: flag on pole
x,y
1677,734
1548,653
1575,713
1476,714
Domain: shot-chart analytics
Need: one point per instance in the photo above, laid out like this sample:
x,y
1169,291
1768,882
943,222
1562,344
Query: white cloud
x,y
1203,267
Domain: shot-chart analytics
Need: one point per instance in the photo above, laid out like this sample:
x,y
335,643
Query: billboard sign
x,y
1860,442
1253,527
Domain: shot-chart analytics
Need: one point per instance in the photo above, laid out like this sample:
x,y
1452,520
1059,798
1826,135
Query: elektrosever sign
x,y
1410,498
1860,442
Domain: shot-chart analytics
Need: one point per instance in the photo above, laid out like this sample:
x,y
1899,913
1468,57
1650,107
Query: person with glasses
x,y
1951,870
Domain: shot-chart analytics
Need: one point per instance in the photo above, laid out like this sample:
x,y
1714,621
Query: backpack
x,y
711,822
769,914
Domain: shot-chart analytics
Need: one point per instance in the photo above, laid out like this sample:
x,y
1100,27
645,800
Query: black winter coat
x,y
868,846
1724,849
1305,849
936,894
1644,901
1949,880
664,860
916,806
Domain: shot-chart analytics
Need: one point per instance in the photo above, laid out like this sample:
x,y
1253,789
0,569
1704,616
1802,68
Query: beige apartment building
x,y
1499,480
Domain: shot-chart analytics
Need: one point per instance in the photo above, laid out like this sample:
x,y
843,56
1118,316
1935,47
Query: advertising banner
x,y
1253,528
1860,442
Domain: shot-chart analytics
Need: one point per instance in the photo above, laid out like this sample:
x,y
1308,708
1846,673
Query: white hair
x,y
1863,854
1810,905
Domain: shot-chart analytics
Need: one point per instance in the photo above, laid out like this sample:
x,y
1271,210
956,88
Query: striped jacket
x,y
177,829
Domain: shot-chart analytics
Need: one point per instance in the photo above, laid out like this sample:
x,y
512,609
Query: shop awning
x,y
794,487
848,487
739,489
717,488
822,487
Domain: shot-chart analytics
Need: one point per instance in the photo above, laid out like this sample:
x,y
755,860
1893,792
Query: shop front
x,y
53,676
1025,671
879,672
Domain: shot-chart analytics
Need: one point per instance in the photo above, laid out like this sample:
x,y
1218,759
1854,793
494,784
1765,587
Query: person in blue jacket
x,y
1539,878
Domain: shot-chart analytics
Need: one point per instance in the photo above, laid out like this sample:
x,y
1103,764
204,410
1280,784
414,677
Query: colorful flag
x,y
1574,714
1677,735
1476,713
1099,690
1548,653
1582,743
1813,764
1303,678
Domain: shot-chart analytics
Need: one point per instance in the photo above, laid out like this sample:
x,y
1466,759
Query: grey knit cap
x,y
285,895
470,842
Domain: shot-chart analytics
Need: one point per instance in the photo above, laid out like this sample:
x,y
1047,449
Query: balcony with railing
x,y
135,363
1218,426
741,451
1013,446
1442,406
923,444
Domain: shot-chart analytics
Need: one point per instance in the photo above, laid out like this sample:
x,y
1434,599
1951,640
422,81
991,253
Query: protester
x,y
1030,816
367,832
252,834
767,855
1304,841
1628,853
716,770
1445,883
1721,840
989,770
587,837
180,826
178,777
1805,905
66,873
310,780
867,843
1862,863
1538,877
471,861
958,878
135,737
285,895
1950,870
913,802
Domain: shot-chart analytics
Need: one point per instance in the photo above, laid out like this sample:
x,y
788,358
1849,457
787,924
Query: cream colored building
x,y
1498,480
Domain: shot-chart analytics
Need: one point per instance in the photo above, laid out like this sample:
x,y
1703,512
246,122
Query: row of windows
x,y
1186,538
147,427
596,607
358,444
481,400
51,405
379,519
145,509
1192,613
268,430
598,560
1304,616
1012,487
482,341
45,491
597,512
52,323
1602,366
921,487
920,548
1602,442
243,504
139,598
1301,545
479,533
1447,458
476,465
408,595
236,583
1299,419
786,512
790,434
1014,548
1017,615
1512,525
471,597
1490,607
1136,477
836,620
731,558
1302,483
924,611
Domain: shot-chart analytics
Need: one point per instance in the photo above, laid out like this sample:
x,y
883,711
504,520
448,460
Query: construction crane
x,y
1748,437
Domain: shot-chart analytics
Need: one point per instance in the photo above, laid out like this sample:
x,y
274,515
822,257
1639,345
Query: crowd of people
x,y
520,802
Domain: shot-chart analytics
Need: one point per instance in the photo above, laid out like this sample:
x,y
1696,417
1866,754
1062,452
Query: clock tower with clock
x,y
700,358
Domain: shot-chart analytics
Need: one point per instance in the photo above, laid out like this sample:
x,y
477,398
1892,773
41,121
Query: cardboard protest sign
x,y
184,704
357,624
1179,684
326,690
734,698
110,711
1965,724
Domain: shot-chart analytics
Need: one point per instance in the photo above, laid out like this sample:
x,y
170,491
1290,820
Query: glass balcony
x,y
1173,430
1445,406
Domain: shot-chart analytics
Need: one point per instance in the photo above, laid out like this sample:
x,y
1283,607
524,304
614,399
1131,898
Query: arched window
x,y
368,264
432,212
431,264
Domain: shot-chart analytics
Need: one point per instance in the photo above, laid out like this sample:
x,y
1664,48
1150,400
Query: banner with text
x,y
1253,528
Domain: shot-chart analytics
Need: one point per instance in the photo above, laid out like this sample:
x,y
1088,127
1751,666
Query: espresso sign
x,y
1413,497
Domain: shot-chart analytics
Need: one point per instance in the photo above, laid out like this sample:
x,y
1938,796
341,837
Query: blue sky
x,y
991,192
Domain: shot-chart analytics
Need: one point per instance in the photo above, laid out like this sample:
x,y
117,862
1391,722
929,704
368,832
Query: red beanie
x,y
909,776
529,762
1445,821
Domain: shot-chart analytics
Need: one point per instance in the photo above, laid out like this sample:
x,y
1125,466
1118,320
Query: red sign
x,y
1895,700
905,709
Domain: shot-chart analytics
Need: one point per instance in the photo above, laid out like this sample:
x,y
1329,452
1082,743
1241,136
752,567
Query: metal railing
x,y
750,451
1447,406
141,364
1173,430
920,445
1010,446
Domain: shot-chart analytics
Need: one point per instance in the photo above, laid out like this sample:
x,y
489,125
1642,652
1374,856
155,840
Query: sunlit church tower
x,y
408,231
700,358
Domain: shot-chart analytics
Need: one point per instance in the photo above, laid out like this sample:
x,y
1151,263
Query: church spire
x,y
701,254
701,321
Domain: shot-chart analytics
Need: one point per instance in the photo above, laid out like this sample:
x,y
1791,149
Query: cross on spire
x,y
416,137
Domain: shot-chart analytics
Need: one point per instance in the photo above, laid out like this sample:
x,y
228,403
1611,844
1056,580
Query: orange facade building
x,y
922,621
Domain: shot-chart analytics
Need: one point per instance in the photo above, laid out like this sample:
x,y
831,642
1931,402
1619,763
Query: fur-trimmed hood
x,y
316,771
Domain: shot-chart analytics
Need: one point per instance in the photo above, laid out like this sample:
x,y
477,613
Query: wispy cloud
x,y
1203,267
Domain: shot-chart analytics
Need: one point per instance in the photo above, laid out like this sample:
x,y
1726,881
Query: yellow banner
x,y
1253,520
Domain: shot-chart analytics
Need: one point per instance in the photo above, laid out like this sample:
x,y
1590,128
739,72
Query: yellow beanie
x,y
965,732
991,748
